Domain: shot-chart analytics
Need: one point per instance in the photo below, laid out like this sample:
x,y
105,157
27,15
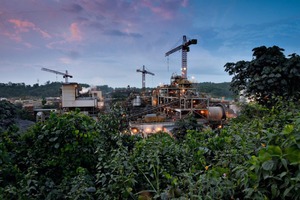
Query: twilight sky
x,y
104,42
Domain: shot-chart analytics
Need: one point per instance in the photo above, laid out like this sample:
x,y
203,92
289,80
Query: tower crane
x,y
144,72
65,75
185,48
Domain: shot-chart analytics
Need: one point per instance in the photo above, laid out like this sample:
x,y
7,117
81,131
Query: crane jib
x,y
65,75
184,46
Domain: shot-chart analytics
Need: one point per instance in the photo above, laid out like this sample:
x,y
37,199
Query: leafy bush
x,y
54,151
256,156
158,161
115,174
8,112
71,156
274,170
182,126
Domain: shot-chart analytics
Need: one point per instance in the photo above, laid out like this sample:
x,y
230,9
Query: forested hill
x,y
8,90
216,89
49,89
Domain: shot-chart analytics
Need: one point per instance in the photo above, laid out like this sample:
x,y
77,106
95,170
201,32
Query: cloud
x,y
56,44
73,54
26,26
13,36
122,34
162,12
65,60
158,9
76,34
73,8
23,26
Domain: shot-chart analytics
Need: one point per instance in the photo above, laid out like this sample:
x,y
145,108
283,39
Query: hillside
x,y
20,90
216,89
9,90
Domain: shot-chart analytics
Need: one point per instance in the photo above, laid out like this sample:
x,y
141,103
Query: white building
x,y
73,97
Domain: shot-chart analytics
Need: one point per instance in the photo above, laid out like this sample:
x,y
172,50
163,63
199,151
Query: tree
x,y
215,89
268,76
182,127
44,101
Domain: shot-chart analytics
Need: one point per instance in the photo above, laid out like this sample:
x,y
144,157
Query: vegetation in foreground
x,y
71,156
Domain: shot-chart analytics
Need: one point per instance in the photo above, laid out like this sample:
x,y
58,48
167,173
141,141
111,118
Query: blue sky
x,y
104,42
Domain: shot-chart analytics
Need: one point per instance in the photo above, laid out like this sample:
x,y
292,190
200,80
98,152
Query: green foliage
x,y
9,134
72,156
9,90
216,89
111,126
68,138
9,171
44,101
158,161
251,111
115,177
268,76
51,154
183,125
81,186
22,90
115,174
8,113
274,170
255,156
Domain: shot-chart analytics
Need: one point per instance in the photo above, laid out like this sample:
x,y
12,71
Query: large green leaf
x,y
268,165
293,155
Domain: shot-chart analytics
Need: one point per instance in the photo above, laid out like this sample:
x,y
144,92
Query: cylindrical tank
x,y
137,101
216,113
40,117
235,108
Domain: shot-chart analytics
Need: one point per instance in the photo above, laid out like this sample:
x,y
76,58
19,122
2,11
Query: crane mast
x,y
185,48
65,75
144,72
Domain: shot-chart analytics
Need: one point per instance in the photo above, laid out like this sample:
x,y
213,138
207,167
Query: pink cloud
x,y
162,12
22,26
45,34
13,36
165,9
76,34
26,26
